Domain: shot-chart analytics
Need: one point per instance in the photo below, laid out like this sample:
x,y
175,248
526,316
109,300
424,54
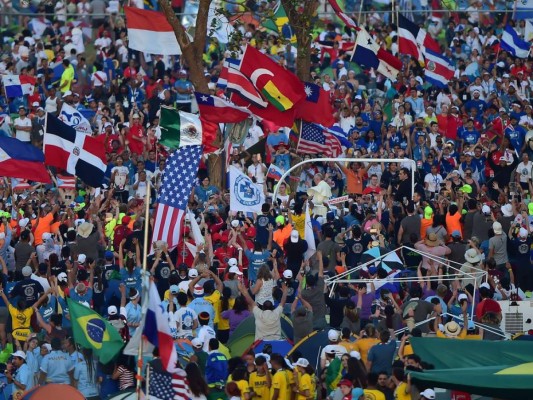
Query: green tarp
x,y
502,370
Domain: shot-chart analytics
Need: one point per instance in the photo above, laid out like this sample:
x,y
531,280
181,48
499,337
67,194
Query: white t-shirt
x,y
121,176
433,182
140,193
21,135
99,78
184,319
255,133
205,334
525,171
257,172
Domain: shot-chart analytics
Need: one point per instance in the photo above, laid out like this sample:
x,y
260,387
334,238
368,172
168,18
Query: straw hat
x,y
432,240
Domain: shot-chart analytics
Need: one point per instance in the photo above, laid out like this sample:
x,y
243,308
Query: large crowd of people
x,y
470,211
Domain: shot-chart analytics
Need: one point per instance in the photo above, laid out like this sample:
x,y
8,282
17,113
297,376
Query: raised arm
x,y
244,292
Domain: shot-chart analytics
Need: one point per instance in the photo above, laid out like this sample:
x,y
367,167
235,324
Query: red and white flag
x,y
150,32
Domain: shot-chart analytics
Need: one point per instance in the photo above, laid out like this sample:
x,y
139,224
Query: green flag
x,y
91,331
179,129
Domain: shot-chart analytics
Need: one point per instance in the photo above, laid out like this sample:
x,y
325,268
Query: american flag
x,y
315,139
166,386
179,177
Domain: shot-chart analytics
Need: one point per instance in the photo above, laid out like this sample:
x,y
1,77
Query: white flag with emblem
x,y
245,195
72,117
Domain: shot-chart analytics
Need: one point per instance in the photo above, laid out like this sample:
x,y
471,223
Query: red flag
x,y
350,23
279,86
209,135
316,107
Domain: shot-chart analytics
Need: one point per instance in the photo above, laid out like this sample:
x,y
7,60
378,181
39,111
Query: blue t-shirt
x,y
56,366
199,305
275,139
24,375
86,387
131,280
87,297
255,261
133,315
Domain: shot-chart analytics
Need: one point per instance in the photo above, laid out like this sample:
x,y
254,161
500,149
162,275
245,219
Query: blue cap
x,y
372,270
174,289
356,393
109,255
456,233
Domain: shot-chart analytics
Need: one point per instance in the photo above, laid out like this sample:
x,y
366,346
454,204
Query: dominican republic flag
x,y
75,152
150,32
217,110
512,43
22,160
439,69
414,40
157,330
369,54
18,85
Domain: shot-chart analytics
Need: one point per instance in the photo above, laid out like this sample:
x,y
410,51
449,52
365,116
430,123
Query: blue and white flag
x,y
512,43
245,195
72,117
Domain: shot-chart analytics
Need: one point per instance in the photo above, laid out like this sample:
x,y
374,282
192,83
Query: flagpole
x,y
145,268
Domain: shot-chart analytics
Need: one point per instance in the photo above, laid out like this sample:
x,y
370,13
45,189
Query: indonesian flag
x,y
150,32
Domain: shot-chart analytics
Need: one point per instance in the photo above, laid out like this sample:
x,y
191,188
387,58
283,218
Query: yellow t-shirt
x,y
374,394
305,382
243,387
280,381
258,384
400,394
214,299
66,79
223,323
20,321
348,345
363,347
299,224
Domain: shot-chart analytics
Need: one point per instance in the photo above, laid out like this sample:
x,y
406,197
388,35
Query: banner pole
x,y
145,268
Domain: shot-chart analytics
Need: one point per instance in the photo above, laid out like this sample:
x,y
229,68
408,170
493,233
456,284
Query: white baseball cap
x,y
193,273
232,262
428,394
82,258
295,236
287,274
333,335
235,270
112,310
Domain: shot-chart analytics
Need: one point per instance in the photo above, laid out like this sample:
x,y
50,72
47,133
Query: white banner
x,y
72,117
245,195
338,200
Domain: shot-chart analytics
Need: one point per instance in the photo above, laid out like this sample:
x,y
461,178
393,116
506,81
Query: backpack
x,y
121,232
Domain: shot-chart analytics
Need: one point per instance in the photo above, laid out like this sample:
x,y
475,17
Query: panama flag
x,y
150,32
18,85
439,69
157,330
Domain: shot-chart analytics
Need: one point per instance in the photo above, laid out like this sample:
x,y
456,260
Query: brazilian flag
x,y
91,331
333,374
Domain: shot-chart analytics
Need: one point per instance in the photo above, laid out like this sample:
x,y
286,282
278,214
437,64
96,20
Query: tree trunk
x,y
192,56
300,16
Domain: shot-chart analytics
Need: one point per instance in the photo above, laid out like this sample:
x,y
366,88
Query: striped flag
x,y
439,69
414,40
178,179
314,139
18,85
350,23
513,44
